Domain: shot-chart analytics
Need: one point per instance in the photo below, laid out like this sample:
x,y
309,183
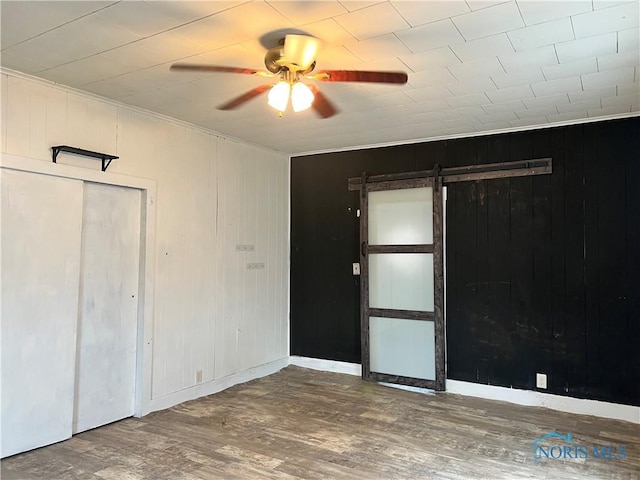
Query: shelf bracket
x,y
104,157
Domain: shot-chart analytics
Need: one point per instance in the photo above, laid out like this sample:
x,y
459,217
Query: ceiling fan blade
x,y
217,68
321,104
245,97
359,76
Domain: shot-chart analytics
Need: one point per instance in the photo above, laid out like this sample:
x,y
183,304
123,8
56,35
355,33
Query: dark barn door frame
x,y
436,177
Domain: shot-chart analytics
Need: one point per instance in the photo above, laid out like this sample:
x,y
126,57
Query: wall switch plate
x,y
255,266
541,380
245,248
198,376
356,269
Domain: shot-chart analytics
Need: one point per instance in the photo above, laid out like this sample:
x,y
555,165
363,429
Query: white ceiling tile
x,y
234,25
329,32
489,21
15,59
483,47
236,34
480,68
495,126
587,47
429,116
234,56
622,100
580,106
617,60
301,13
378,48
37,55
563,70
529,122
430,36
29,19
540,35
96,37
85,71
629,40
468,100
548,101
505,95
522,77
435,76
440,57
480,4
467,87
188,11
428,93
591,81
540,11
602,112
496,108
539,57
135,16
537,112
598,22
421,12
599,4
337,58
596,94
352,5
497,117
170,46
468,111
628,88
108,89
567,116
380,19
561,85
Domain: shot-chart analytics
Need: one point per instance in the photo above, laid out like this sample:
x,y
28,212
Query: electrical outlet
x,y
255,266
541,380
198,376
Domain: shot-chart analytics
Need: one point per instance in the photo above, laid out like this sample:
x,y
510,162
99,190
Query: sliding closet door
x,y
108,311
41,217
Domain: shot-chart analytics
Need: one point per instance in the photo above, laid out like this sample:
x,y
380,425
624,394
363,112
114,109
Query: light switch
x,y
356,269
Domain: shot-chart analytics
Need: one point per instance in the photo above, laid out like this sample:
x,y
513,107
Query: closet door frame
x,y
144,346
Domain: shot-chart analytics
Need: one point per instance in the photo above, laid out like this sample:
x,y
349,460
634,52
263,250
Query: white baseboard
x,y
215,386
532,398
327,365
529,398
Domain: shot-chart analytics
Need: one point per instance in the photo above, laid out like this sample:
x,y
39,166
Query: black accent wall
x,y
542,272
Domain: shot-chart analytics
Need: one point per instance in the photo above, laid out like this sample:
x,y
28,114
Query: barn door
x,y
108,311
402,282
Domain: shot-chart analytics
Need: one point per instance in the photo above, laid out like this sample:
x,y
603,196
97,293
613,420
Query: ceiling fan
x,y
292,61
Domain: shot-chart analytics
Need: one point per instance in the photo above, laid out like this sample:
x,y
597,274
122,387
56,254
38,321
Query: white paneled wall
x,y
211,313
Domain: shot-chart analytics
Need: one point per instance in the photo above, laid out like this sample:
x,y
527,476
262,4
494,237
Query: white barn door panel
x,y
41,223
108,311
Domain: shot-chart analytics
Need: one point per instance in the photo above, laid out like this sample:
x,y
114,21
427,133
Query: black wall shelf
x,y
106,158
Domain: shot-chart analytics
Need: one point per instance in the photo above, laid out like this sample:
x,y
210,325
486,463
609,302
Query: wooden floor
x,y
302,423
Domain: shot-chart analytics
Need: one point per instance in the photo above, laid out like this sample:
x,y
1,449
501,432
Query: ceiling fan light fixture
x,y
279,96
301,97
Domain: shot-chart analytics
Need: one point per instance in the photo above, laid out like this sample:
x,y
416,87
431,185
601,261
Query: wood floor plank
x,y
305,424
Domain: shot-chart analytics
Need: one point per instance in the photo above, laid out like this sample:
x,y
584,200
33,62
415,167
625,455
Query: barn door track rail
x,y
105,157
522,168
